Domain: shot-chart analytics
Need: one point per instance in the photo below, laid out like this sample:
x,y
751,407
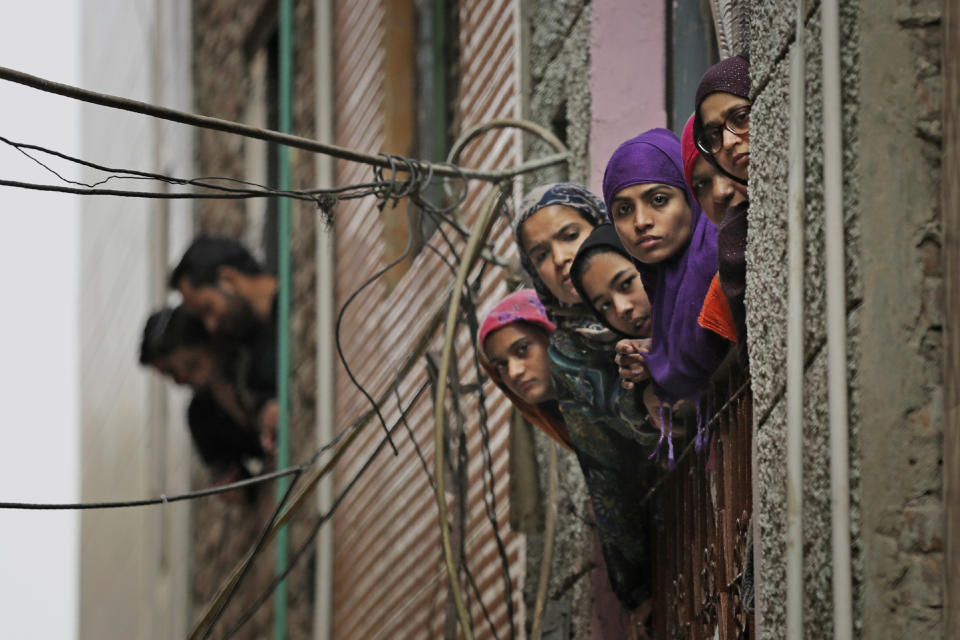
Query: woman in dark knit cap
x,y
722,133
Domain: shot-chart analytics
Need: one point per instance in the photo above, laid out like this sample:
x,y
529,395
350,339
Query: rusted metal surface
x,y
389,579
702,582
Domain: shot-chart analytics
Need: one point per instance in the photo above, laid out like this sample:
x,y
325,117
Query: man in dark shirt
x,y
226,287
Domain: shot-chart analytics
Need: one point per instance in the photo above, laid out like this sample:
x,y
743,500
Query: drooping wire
x,y
257,547
162,499
322,519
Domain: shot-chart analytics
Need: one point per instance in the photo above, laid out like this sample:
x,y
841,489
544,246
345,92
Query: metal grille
x,y
702,543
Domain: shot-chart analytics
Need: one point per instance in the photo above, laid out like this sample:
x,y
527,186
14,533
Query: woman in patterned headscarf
x,y
605,422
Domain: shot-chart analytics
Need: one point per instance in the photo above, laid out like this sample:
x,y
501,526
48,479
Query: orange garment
x,y
715,315
550,422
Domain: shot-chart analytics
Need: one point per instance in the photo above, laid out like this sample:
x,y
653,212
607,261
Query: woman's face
x,y
550,238
613,287
653,220
192,366
714,191
734,154
518,352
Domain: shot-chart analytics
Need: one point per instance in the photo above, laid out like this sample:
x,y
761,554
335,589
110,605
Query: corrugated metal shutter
x,y
389,578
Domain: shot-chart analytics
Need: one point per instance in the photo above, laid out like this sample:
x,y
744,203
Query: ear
x,y
228,278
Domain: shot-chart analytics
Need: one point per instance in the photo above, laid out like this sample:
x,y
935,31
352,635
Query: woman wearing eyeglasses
x,y
722,133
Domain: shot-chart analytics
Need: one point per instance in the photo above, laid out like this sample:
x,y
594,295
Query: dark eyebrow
x,y
653,187
611,284
514,344
534,248
617,276
562,230
702,175
733,108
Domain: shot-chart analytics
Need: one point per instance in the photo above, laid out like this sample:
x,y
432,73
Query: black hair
x,y
168,329
202,261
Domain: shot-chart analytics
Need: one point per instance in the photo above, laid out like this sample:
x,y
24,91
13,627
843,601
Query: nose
x,y
560,255
622,306
730,138
722,189
642,219
515,369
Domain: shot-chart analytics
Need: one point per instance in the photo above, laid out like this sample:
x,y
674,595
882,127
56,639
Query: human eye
x,y
500,365
659,199
741,117
699,185
522,349
623,209
604,306
711,135
538,256
627,283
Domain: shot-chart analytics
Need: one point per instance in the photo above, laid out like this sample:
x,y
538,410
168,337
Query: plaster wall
x,y
890,95
133,562
627,76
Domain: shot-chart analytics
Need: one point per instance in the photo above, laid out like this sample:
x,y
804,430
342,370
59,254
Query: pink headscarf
x,y
522,306
689,152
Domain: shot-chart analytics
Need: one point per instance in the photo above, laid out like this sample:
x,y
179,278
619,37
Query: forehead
x,y
601,268
715,105
547,221
702,168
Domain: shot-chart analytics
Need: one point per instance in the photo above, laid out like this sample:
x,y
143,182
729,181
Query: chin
x,y
536,396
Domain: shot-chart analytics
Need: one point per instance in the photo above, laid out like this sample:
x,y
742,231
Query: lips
x,y
642,326
526,385
741,159
648,241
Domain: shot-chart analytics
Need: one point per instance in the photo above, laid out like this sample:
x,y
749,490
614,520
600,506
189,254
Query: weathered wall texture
x,y
389,579
227,37
890,94
901,339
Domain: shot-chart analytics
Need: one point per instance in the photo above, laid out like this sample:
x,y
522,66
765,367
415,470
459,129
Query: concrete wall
x,y
133,562
890,87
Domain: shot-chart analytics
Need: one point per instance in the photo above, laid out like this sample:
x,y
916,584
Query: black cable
x,y
322,519
343,309
163,499
257,547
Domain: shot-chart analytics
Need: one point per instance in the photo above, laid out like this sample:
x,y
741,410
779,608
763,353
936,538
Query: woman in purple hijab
x,y
675,247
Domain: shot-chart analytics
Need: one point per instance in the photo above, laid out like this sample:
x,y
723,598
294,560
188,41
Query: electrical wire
x,y
162,499
228,126
323,519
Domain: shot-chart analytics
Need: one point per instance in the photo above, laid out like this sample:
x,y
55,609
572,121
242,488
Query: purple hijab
x,y
683,355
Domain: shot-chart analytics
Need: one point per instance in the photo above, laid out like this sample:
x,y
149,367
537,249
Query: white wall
x,y
38,337
133,575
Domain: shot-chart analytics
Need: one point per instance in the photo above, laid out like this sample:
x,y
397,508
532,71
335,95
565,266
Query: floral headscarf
x,y
575,196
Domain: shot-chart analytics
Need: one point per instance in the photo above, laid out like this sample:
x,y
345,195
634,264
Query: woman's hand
x,y
629,358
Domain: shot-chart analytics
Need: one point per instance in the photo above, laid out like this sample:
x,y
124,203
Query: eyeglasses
x,y
737,122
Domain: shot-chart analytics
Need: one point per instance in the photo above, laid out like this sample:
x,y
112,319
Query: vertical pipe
x,y
795,246
323,12
285,56
836,321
